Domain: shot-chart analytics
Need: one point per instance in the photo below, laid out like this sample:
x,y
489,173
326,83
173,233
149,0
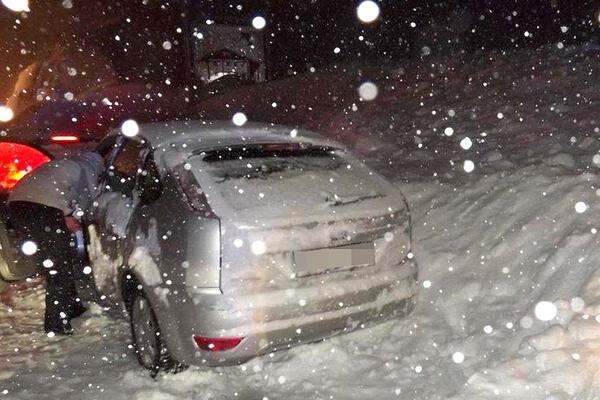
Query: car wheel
x,y
150,349
3,265
13,266
3,285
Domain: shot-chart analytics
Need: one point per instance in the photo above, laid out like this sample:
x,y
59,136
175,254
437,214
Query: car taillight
x,y
16,161
64,138
194,195
216,344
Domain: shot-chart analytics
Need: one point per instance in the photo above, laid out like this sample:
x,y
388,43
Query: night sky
x,y
300,34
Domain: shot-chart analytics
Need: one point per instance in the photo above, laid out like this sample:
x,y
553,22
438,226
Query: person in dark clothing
x,y
45,209
44,229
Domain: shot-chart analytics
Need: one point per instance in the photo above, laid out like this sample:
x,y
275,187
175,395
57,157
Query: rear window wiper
x,y
259,172
335,200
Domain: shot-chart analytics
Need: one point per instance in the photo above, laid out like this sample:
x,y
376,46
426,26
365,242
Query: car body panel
x,y
277,320
200,280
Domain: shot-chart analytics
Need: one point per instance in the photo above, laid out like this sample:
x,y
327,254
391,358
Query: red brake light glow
x,y
64,138
16,161
216,344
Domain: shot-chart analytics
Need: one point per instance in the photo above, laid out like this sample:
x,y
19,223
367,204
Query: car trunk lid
x,y
291,214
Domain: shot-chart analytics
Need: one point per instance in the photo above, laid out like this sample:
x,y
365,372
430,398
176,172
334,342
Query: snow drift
x,y
508,247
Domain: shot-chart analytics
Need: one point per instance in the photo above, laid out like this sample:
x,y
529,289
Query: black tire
x,y
8,260
4,244
150,349
13,265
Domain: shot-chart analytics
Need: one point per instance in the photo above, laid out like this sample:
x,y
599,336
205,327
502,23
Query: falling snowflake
x,y
577,304
368,11
130,128
368,91
469,166
239,119
6,114
581,207
16,5
466,143
29,248
258,247
458,357
526,322
259,22
545,311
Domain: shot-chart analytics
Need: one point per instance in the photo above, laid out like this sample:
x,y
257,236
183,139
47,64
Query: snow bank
x,y
493,242
563,362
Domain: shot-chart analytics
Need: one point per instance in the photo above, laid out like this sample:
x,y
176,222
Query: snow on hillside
x,y
509,256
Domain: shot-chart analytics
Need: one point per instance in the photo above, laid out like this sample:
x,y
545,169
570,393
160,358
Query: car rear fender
x,y
184,244
168,320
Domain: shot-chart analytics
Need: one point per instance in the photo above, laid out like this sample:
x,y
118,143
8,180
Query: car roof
x,y
212,134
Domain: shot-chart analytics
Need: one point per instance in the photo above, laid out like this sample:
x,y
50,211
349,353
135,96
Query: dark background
x,y
299,34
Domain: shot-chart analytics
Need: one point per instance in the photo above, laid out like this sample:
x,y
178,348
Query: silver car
x,y
222,242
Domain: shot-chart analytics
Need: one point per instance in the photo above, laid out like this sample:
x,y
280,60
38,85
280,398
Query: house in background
x,y
221,50
215,65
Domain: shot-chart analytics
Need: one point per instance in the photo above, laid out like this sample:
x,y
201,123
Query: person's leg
x,y
46,227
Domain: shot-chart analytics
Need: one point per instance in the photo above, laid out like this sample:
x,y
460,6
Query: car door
x,y
112,212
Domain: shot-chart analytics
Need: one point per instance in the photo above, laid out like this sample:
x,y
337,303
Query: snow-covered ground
x,y
510,263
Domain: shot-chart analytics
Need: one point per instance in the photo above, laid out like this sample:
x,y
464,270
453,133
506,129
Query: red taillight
x,y
62,138
216,344
16,161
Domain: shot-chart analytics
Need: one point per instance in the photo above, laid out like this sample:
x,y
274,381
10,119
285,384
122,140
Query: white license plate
x,y
310,262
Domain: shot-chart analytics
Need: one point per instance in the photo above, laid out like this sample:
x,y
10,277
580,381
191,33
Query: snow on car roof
x,y
210,134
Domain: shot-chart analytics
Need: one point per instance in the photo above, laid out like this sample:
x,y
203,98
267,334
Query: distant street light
x,y
16,5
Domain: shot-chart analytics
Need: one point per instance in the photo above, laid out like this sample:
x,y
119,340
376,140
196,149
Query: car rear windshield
x,y
284,177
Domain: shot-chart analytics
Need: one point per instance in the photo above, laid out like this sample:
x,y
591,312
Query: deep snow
x,y
491,244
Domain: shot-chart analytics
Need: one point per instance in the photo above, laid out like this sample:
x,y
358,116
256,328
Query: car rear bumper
x,y
277,322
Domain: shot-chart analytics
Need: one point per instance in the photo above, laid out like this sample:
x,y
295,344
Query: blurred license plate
x,y
310,262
